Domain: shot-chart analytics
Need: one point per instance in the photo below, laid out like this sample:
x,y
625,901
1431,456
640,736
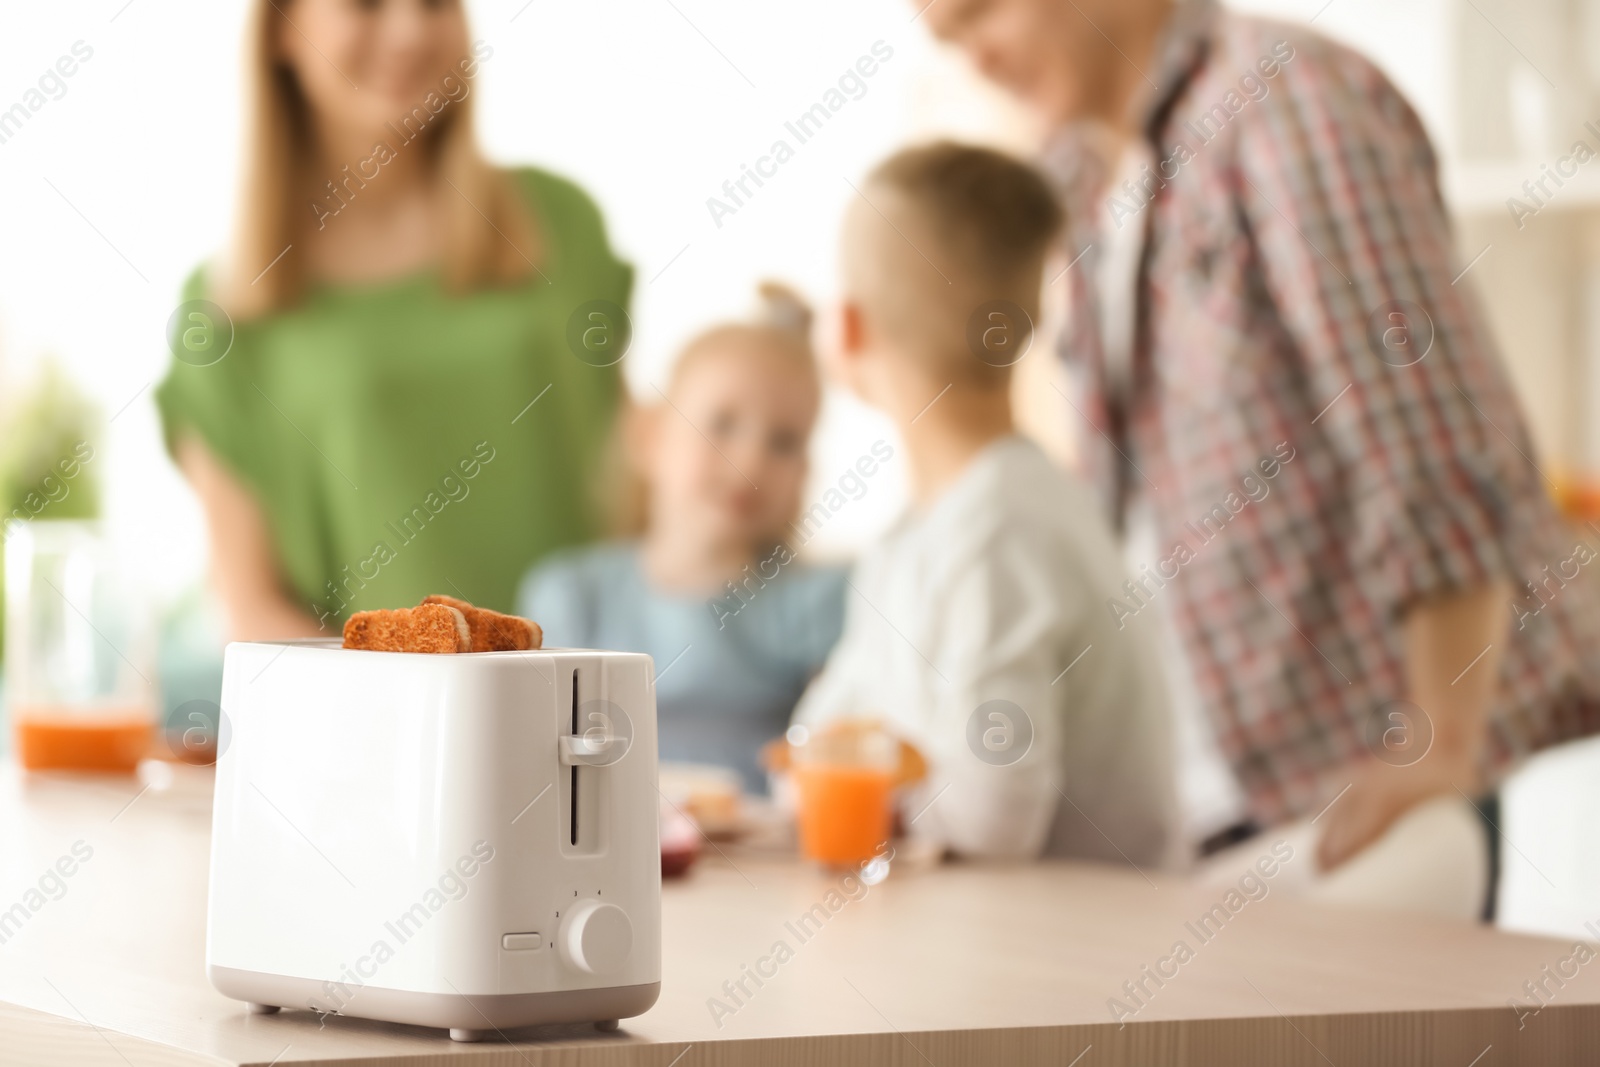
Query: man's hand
x,y
1452,672
1380,794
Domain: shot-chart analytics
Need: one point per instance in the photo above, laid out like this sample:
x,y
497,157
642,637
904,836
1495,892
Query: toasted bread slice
x,y
491,631
428,628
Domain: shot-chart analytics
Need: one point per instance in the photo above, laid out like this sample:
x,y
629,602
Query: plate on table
x,y
712,796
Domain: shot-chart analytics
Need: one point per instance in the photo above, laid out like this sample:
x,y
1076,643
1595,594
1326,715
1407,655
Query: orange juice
x,y
112,739
844,811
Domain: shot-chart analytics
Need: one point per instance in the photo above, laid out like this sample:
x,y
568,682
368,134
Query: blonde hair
x,y
490,237
779,325
948,229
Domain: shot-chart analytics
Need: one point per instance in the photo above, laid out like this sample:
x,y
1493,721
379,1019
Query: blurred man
x,y
1299,422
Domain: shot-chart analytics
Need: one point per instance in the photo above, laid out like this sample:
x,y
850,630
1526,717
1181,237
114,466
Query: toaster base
x,y
446,1011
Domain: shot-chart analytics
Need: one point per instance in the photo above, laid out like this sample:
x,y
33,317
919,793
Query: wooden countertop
x,y
944,965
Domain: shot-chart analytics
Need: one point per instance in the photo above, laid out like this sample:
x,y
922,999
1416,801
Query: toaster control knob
x,y
595,937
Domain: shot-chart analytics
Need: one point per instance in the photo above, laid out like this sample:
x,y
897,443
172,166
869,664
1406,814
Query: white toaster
x,y
465,841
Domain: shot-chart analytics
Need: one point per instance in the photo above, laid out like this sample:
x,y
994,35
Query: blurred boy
x,y
978,627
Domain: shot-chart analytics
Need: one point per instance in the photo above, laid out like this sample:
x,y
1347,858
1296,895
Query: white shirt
x,y
997,591
1209,794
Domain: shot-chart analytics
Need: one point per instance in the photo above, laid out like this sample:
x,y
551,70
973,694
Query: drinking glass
x,y
78,652
845,779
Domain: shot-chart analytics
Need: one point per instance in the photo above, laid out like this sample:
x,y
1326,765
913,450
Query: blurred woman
x,y
398,377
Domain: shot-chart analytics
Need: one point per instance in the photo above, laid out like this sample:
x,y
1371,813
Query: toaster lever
x,y
593,748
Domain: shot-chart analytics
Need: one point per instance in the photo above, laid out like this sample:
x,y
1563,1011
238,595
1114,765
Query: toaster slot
x,y
587,749
573,783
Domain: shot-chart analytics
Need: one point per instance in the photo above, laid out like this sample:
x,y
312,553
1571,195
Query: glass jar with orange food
x,y
79,683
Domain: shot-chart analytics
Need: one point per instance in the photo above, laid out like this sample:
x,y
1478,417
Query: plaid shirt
x,y
1285,214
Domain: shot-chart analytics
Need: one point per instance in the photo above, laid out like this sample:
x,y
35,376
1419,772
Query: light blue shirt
x,y
728,671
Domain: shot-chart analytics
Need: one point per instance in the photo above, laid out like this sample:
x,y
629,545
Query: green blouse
x,y
404,441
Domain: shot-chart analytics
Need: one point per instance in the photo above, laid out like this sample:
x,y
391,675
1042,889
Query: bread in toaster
x,y
491,631
426,628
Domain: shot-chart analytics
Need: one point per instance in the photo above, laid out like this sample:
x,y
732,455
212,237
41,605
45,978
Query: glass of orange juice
x,y
79,674
845,778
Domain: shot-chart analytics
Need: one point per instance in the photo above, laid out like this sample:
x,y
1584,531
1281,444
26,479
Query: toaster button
x,y
522,942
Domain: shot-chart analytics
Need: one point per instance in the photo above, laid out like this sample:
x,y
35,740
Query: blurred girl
x,y
711,588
